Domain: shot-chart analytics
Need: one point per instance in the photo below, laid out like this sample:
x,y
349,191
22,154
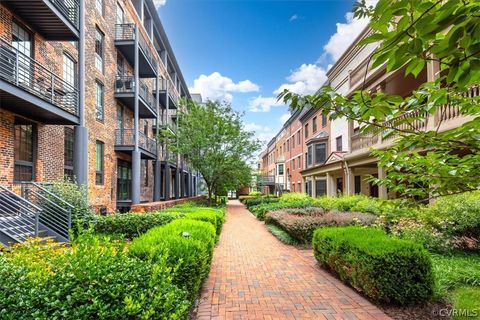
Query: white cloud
x,y
305,80
346,33
217,87
263,104
294,17
263,133
284,117
159,3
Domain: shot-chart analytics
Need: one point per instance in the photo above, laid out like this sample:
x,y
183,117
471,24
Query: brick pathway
x,y
255,276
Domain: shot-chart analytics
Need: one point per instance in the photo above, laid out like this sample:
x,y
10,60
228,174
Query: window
x,y
120,14
293,141
298,137
324,120
99,165
339,185
21,40
320,188
99,50
320,153
69,70
120,65
280,169
99,6
145,173
288,145
299,162
124,180
99,108
68,153
145,127
120,117
24,153
339,143
314,124
308,187
293,164
309,156
358,184
306,131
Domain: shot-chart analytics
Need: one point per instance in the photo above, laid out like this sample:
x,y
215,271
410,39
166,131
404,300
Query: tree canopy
x,y
411,34
213,138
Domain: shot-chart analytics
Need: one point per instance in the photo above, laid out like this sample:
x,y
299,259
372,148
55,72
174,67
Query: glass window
x,y
99,6
293,141
320,153
69,70
358,184
280,169
99,50
299,162
68,153
320,188
324,120
314,124
298,137
306,130
309,156
120,65
293,164
119,116
99,165
99,107
21,39
339,143
120,14
339,185
23,153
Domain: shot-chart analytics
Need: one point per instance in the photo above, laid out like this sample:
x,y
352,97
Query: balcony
x,y
125,93
173,96
56,20
171,158
266,180
125,43
31,90
125,142
361,141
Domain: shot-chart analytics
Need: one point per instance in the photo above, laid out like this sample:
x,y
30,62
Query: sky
x,y
247,51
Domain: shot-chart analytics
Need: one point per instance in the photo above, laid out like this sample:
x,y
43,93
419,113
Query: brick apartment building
x,y
85,88
334,157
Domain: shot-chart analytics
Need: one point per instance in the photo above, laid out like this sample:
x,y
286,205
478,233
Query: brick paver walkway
x,y
255,276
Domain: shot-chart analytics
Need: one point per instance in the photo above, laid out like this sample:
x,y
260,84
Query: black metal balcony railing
x,y
126,137
266,180
126,84
26,73
70,9
126,31
170,157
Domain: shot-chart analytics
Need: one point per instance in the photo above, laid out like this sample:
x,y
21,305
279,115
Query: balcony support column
x,y
331,192
382,190
167,175
350,181
136,153
158,166
80,159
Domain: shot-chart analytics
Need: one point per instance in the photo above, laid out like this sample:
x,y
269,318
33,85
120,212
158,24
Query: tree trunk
x,y
209,196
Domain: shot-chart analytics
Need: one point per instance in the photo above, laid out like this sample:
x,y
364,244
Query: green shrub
x,y
456,215
255,202
281,234
187,246
384,268
295,197
131,225
244,198
300,223
216,216
255,194
93,279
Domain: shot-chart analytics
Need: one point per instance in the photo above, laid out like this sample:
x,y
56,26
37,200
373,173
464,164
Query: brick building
x,y
86,86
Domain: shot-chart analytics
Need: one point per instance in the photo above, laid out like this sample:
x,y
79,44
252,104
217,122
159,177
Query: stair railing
x,y
11,205
56,213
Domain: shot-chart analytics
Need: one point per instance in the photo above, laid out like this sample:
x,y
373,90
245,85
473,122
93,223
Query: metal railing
x,y
28,74
169,156
56,213
126,31
267,180
361,140
126,137
126,84
70,9
12,205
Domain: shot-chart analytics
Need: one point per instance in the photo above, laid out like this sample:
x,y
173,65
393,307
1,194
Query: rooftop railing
x,y
70,9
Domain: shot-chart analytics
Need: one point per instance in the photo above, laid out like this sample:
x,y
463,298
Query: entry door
x,y
124,180
374,188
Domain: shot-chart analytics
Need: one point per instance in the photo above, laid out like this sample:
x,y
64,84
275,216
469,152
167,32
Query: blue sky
x,y
246,51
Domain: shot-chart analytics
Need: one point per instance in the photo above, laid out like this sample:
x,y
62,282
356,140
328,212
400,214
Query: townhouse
x,y
336,154
86,89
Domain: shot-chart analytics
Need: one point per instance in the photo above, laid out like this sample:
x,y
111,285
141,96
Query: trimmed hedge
x,y
384,268
213,215
131,225
92,279
188,248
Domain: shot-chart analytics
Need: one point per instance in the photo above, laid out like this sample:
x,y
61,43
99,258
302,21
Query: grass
x,y
466,301
281,234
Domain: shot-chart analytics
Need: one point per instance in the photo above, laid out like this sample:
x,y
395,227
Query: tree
x,y
412,34
213,139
